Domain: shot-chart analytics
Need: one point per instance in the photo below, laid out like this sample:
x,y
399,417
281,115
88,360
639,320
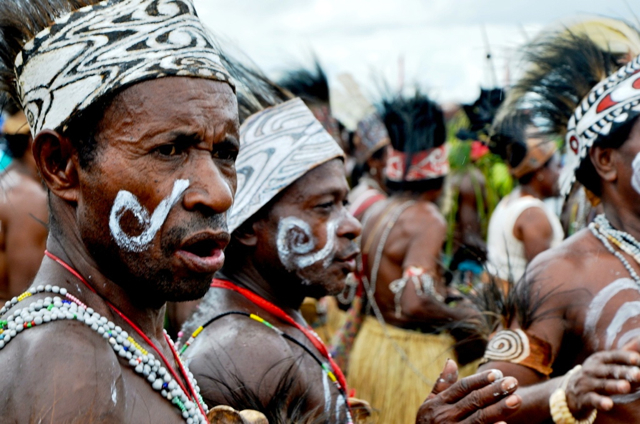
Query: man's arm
x,y
427,231
27,215
550,297
534,230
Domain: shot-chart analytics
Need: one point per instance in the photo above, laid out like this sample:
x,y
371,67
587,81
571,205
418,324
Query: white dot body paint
x,y
635,178
296,244
127,202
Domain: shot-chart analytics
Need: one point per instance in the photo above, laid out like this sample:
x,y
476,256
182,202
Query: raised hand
x,y
486,397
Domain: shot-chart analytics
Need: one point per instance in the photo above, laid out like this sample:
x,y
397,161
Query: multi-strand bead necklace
x,y
60,305
601,228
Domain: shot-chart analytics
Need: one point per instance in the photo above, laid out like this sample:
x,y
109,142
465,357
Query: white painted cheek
x,y
296,244
635,178
127,202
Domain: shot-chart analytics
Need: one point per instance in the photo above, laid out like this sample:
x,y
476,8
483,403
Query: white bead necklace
x,y
601,228
144,363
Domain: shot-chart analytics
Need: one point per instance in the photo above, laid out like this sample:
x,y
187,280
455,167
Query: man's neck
x,y
249,277
623,219
148,319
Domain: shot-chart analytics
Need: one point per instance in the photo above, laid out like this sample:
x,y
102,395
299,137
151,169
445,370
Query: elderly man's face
x,y
309,234
153,203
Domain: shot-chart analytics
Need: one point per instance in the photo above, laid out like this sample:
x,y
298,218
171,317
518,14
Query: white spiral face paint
x,y
635,178
127,202
296,244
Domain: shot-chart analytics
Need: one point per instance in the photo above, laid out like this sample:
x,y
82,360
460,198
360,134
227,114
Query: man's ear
x,y
246,233
53,154
604,161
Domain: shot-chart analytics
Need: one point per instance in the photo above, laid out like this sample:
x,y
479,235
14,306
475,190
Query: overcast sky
x,y
440,42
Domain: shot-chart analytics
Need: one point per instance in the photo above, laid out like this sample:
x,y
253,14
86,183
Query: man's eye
x,y
168,150
226,154
327,205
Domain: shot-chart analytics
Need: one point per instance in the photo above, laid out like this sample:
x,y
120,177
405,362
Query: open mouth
x,y
202,248
203,252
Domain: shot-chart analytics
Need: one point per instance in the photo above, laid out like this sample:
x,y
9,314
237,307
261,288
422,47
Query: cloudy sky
x,y
438,44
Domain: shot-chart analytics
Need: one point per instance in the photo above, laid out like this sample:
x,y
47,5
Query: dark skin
x,y
259,358
23,232
140,149
415,240
575,272
230,343
532,226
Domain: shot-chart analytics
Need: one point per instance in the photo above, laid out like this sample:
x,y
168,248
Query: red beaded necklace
x,y
191,393
276,311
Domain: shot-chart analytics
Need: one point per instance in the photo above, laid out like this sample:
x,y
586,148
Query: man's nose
x,y
349,226
212,189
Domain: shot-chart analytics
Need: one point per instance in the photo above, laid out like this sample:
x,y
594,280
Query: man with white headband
x,y
578,302
293,237
135,128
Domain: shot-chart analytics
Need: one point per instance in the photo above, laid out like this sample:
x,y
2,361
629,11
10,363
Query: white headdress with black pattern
x,y
105,47
277,146
609,104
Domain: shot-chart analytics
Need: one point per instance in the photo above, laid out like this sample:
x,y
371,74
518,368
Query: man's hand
x,y
603,374
482,398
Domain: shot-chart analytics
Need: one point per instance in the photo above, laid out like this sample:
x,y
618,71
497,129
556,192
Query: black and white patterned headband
x,y
610,104
277,147
105,47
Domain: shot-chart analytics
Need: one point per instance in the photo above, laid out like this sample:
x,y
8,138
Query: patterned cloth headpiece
x,y
372,135
426,165
98,49
539,150
610,104
277,146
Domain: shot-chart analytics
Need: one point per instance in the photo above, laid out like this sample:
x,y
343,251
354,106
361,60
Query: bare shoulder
x,y
60,372
560,277
568,262
422,214
235,349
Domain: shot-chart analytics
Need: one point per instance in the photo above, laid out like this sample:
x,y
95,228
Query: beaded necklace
x,y
190,402
601,228
334,372
56,308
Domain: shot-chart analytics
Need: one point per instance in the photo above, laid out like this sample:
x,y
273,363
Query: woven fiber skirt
x,y
394,385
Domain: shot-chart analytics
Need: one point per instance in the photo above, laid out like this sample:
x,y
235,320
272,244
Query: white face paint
x,y
127,202
297,245
635,178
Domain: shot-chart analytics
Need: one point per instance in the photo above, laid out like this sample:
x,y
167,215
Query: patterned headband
x,y
426,165
610,104
105,47
277,146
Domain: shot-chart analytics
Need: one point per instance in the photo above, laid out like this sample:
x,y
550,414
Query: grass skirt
x,y
381,376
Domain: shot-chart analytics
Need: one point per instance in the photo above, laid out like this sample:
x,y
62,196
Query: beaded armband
x,y
423,282
518,347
